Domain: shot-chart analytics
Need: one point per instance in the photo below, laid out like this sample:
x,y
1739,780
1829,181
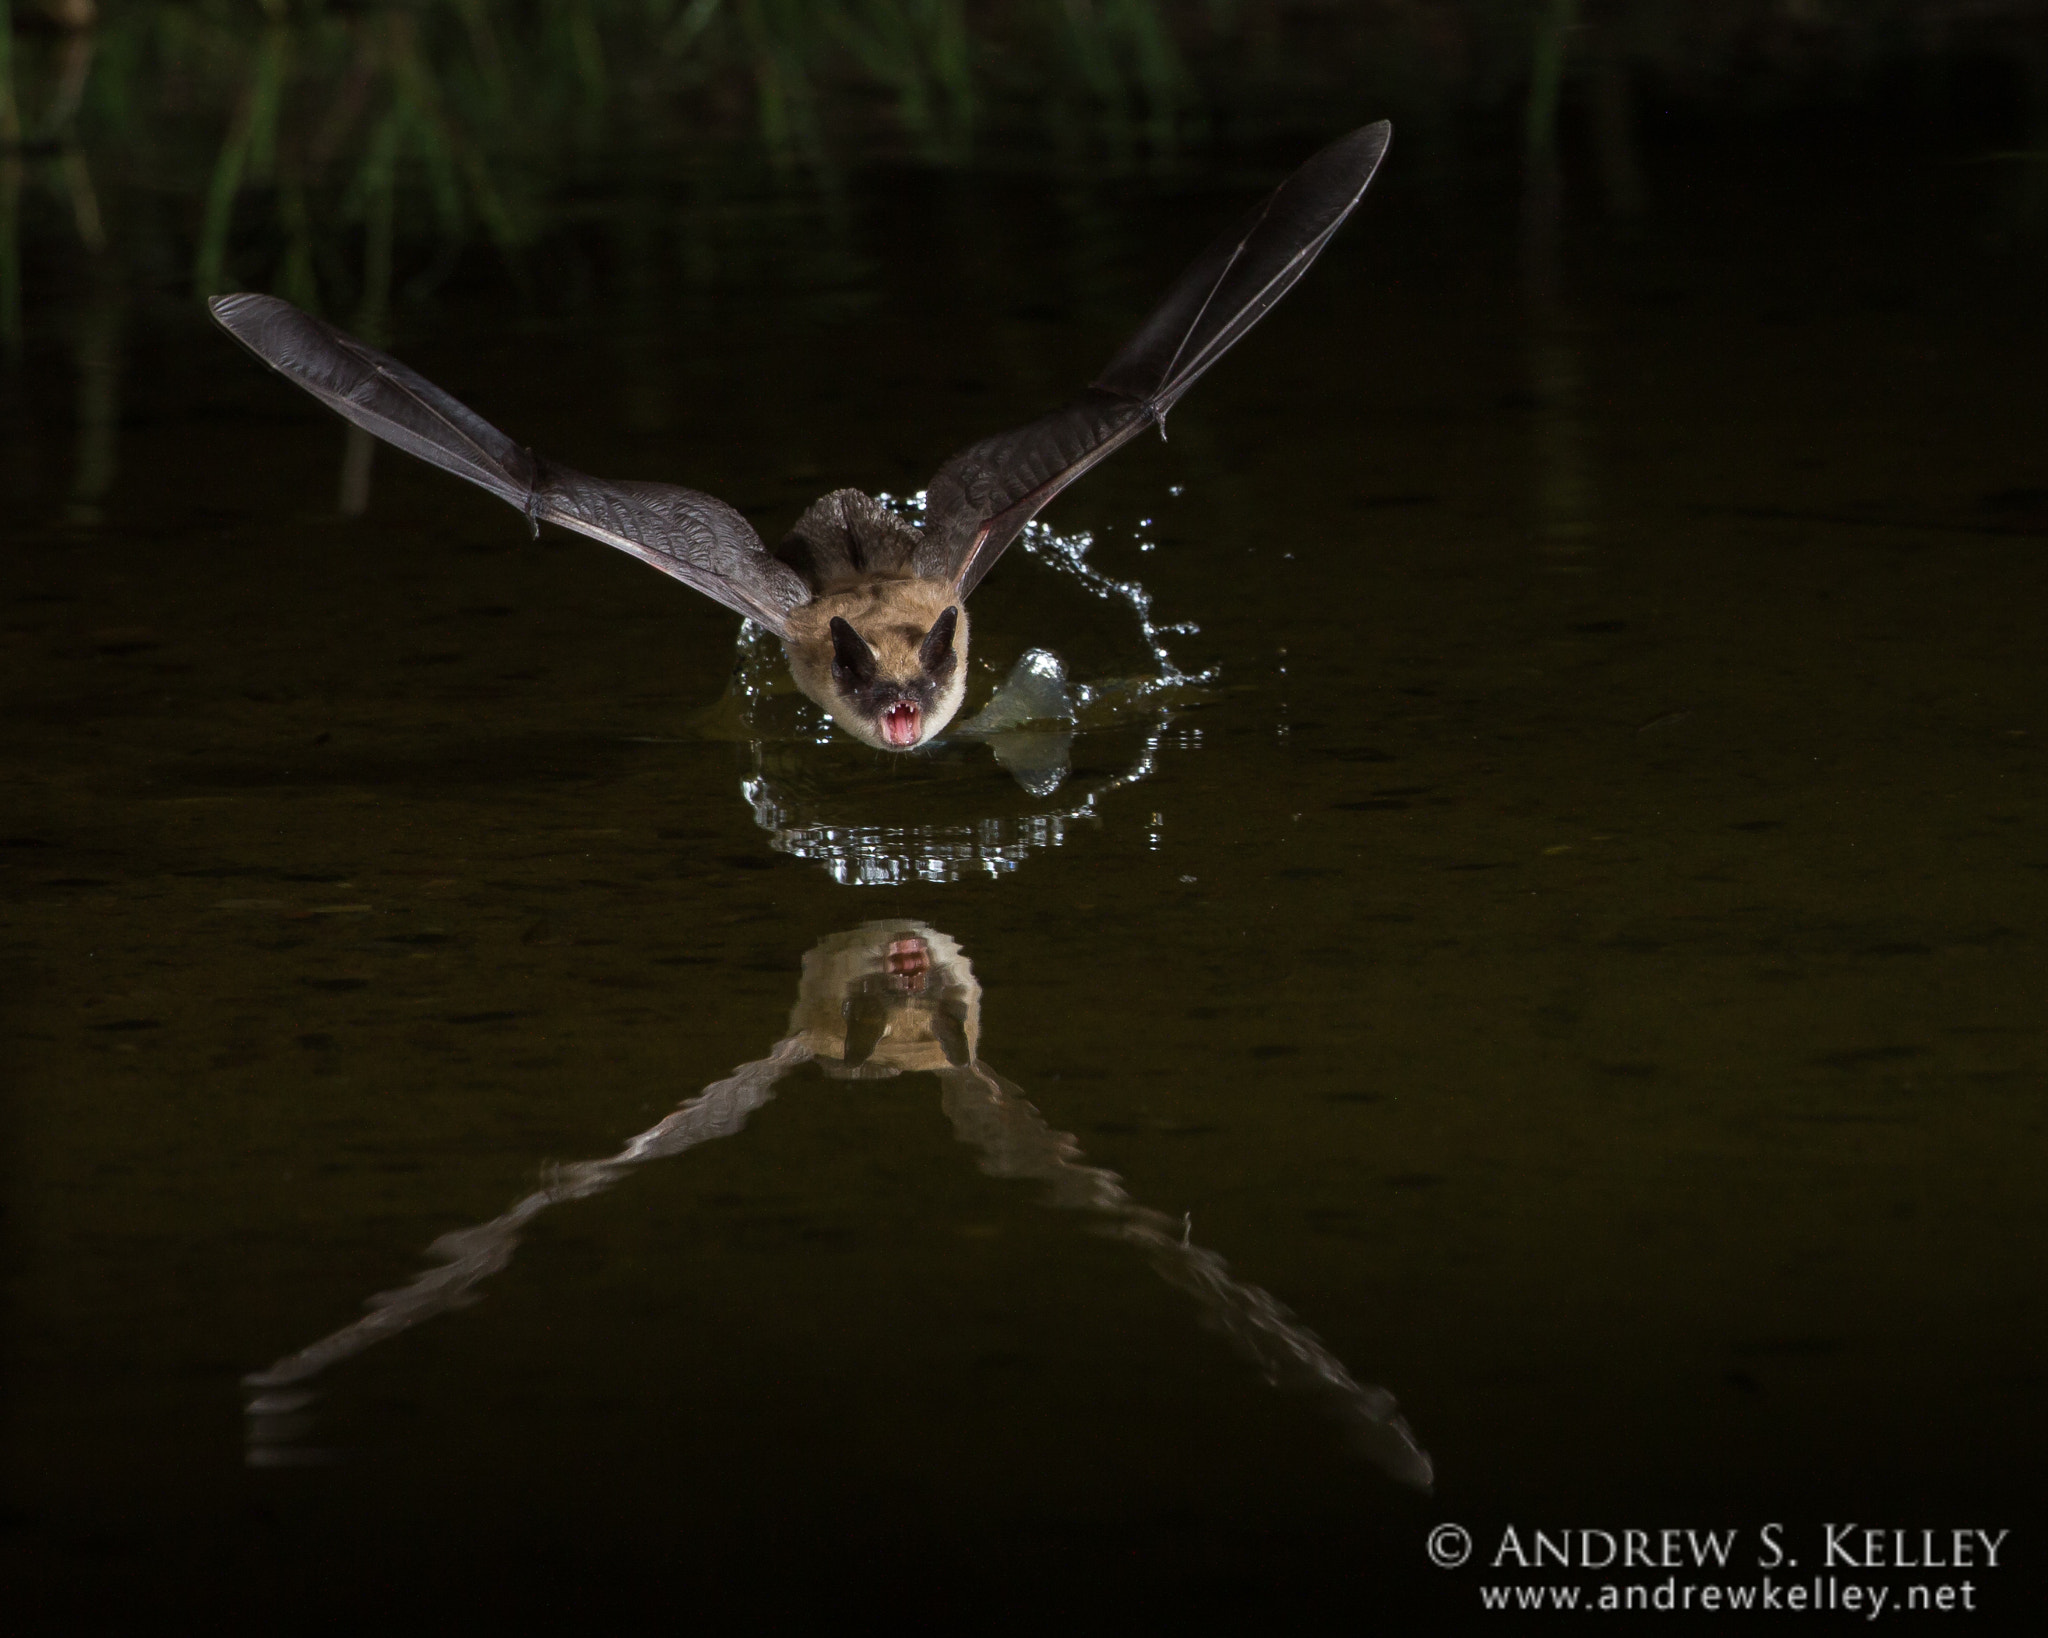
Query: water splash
x,y
1067,555
1029,724
937,854
761,699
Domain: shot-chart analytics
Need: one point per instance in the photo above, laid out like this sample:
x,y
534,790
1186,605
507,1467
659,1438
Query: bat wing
x,y
981,499
700,540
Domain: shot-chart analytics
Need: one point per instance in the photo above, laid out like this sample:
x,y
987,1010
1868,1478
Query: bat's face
x,y
897,686
888,660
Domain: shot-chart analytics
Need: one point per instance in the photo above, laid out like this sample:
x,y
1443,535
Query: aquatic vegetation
x,y
340,155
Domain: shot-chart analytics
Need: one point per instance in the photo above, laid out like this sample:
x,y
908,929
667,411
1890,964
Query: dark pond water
x,y
1548,1031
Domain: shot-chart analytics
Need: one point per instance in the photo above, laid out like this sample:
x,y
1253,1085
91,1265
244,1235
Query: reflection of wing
x,y
1015,1141
701,541
465,1258
982,498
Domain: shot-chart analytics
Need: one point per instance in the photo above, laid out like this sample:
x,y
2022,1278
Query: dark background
x,y
1588,964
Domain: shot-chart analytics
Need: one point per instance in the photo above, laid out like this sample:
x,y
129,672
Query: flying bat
x,y
871,608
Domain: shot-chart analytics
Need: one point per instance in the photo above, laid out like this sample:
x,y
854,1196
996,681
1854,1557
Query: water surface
x,y
1576,960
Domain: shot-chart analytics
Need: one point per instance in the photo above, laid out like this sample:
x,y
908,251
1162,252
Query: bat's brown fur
x,y
885,998
856,557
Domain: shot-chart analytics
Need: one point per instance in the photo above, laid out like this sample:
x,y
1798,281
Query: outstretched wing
x,y
982,498
700,540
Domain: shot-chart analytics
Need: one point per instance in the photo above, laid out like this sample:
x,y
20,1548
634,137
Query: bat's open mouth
x,y
908,960
900,723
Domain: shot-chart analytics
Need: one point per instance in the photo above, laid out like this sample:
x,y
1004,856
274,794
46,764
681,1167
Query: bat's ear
x,y
853,662
935,654
867,1021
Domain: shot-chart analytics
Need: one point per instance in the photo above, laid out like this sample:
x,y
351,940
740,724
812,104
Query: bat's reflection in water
x,y
887,997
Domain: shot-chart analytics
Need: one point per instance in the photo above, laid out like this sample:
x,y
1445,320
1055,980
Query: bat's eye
x,y
853,662
935,653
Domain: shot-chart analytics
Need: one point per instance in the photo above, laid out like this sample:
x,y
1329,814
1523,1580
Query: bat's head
x,y
894,682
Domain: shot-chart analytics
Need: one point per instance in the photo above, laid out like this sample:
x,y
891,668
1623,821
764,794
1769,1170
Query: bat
x,y
871,608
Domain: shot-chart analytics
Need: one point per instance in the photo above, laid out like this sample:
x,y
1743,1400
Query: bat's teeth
x,y
900,723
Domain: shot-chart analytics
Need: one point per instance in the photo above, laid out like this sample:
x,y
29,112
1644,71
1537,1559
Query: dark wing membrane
x,y
700,540
1236,281
981,499
378,394
696,537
